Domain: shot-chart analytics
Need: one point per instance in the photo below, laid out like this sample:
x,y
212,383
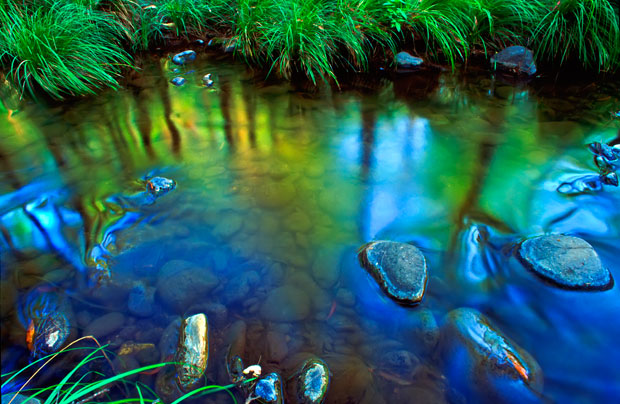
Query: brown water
x,y
277,187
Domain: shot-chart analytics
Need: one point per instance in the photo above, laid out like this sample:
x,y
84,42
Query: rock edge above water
x,y
566,261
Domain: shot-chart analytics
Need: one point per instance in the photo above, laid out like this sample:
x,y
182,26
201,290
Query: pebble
x,y
105,325
405,60
277,348
178,81
141,300
399,269
326,268
566,261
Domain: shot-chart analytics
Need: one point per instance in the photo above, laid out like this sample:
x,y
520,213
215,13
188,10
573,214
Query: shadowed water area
x,y
277,188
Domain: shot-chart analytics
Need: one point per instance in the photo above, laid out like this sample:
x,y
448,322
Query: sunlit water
x,y
276,190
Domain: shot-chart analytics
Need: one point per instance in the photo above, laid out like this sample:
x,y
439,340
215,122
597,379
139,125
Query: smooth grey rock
x,y
566,261
480,360
105,325
399,269
181,283
405,60
286,304
515,59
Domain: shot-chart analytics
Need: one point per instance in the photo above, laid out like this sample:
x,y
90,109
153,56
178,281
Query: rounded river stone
x,y
566,261
479,358
399,269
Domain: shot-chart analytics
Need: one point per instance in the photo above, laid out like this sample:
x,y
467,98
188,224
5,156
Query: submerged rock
x,y
178,81
181,283
405,60
192,352
141,300
480,359
184,57
286,304
566,261
311,381
515,59
269,389
105,325
399,269
585,184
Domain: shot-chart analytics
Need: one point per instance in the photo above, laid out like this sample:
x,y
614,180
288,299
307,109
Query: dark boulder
x,y
515,59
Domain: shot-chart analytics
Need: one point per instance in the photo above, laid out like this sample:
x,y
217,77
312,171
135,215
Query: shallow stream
x,y
276,189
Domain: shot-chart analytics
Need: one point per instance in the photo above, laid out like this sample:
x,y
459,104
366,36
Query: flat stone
x,y
566,261
515,59
399,269
480,360
405,60
105,325
286,304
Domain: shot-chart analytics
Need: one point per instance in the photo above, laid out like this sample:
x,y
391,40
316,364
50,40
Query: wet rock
x,y
478,358
141,300
326,268
399,269
405,60
239,287
144,353
610,153
181,283
399,366
105,325
169,338
515,59
566,261
207,80
184,57
158,186
286,304
229,223
311,381
14,398
588,183
269,389
178,81
192,353
234,368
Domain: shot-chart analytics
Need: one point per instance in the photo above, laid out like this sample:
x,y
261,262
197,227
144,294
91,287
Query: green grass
x,y
584,30
75,47
74,388
65,48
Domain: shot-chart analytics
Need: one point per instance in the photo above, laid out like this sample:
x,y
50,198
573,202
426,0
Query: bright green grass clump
x,y
74,388
64,48
586,30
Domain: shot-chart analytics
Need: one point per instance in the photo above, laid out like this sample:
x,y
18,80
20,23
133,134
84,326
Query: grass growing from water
x,y
77,46
73,388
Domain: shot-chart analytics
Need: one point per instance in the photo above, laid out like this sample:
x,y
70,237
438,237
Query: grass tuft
x,y
66,49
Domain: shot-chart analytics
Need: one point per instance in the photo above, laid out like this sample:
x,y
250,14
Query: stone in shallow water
x,y
566,261
269,389
405,60
585,184
158,186
178,81
192,353
312,381
515,59
479,359
184,57
182,283
399,269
